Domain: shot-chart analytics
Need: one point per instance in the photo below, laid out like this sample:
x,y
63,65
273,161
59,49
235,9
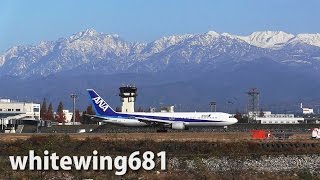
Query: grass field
x,y
185,146
158,137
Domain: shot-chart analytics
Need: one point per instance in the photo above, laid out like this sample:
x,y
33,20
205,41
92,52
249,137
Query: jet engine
x,y
178,126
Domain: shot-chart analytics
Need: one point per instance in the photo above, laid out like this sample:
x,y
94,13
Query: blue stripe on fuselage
x,y
133,117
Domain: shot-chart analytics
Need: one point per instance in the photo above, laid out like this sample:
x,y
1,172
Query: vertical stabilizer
x,y
99,105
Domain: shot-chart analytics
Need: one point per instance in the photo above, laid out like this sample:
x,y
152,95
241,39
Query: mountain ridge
x,y
92,50
190,69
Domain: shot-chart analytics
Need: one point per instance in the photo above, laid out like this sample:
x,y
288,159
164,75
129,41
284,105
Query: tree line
x,y
47,113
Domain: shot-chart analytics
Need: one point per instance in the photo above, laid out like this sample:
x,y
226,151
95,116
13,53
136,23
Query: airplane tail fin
x,y
99,105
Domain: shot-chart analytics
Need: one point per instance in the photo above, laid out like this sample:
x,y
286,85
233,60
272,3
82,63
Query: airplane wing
x,y
153,121
97,118
101,119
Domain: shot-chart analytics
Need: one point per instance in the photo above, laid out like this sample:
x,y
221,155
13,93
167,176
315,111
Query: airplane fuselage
x,y
178,120
190,119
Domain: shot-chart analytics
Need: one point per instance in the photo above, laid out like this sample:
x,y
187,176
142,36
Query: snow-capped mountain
x,y
309,39
2,59
267,39
91,51
163,43
209,65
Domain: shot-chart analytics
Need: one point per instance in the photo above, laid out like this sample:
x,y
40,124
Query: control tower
x,y
128,95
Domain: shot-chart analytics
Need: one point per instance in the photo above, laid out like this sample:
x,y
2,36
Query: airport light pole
x,y
74,96
213,106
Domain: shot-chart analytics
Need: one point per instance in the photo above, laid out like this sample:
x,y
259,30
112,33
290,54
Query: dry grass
x,y
158,137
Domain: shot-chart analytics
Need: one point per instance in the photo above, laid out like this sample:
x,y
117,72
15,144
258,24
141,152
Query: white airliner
x,y
176,120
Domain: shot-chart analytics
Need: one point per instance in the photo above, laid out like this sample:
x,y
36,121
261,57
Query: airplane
x,y
176,120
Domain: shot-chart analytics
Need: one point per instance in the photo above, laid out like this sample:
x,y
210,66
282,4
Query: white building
x,y
67,114
19,110
306,110
269,118
12,112
167,109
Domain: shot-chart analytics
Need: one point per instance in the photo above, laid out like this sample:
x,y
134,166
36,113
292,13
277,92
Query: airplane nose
x,y
234,120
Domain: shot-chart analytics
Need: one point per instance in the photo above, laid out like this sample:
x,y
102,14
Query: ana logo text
x,y
99,101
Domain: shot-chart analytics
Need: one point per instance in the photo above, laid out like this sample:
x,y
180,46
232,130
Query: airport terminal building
x,y
12,112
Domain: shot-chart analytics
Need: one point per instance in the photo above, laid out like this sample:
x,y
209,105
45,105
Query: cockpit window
x,y
231,116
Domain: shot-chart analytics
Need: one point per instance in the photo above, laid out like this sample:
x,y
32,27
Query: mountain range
x,y
189,69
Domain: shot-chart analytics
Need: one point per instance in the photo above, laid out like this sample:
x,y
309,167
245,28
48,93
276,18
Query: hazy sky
x,y
30,21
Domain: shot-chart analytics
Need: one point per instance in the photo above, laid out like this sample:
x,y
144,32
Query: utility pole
x,y
74,96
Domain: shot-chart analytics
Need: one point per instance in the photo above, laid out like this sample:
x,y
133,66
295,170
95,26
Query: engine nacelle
x,y
178,126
